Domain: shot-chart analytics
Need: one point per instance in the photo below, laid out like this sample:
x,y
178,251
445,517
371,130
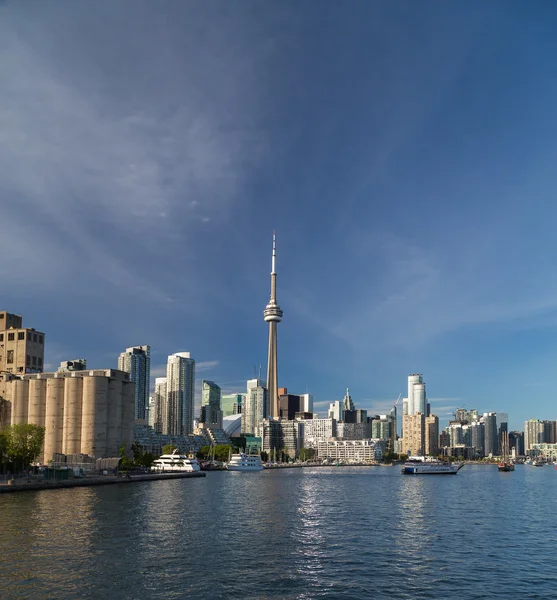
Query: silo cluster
x,y
83,412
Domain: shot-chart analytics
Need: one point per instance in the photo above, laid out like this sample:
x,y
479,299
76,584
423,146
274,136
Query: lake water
x,y
344,533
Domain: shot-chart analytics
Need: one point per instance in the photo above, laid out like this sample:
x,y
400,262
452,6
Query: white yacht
x,y
175,463
244,462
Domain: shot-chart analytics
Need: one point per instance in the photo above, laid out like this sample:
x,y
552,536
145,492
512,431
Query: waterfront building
x,y
211,403
350,450
180,387
280,435
255,409
137,362
83,412
413,434
431,426
336,411
477,438
533,433
77,364
491,434
316,430
21,348
544,450
231,404
516,442
273,315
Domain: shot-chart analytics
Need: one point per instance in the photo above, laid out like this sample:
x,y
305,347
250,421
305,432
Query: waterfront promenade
x,y
28,484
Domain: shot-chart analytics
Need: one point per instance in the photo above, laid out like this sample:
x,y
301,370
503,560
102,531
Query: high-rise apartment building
x,y
413,434
180,394
533,433
21,348
232,404
431,435
137,362
416,401
336,410
491,434
477,437
255,407
160,418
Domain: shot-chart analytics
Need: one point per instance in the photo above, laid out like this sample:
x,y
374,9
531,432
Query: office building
x,y
273,315
491,434
516,443
21,348
477,438
347,403
231,404
137,362
289,404
180,394
353,431
336,411
211,413
160,418
281,435
83,412
549,432
316,430
255,407
306,403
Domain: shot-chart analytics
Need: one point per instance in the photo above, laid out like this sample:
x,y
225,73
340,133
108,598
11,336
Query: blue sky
x,y
405,152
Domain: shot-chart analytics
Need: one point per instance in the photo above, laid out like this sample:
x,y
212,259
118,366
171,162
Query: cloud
x,y
207,365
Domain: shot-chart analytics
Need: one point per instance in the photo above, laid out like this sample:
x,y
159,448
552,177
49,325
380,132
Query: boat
x,y
175,463
419,466
505,465
244,462
538,463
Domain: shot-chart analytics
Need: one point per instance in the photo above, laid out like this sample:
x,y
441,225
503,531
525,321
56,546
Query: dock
x,y
34,485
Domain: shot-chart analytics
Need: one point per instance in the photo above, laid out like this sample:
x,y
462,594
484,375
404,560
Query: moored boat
x,y
244,462
506,464
175,463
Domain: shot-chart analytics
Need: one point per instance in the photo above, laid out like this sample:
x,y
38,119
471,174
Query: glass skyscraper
x,y
137,362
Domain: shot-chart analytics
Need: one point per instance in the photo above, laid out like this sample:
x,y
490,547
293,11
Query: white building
x,y
336,411
351,450
416,401
180,394
316,430
352,431
533,433
255,407
306,403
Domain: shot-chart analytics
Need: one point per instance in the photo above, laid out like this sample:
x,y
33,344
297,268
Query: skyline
x,y
406,155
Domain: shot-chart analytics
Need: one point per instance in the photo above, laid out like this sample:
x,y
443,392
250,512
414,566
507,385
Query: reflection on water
x,y
289,534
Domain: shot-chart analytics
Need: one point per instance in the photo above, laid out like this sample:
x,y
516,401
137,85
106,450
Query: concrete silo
x,y
114,417
94,416
73,401
128,413
54,417
20,401
37,402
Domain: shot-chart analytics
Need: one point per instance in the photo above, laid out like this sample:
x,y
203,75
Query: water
x,y
346,533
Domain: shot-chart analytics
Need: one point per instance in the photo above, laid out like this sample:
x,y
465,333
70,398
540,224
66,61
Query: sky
x,y
405,152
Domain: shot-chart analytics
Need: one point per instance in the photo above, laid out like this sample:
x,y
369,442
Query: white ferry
x,y
416,465
244,462
175,463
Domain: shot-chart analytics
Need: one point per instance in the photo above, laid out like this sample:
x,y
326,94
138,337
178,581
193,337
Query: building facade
x,y
255,408
180,394
137,362
431,435
533,433
318,430
21,348
350,450
280,435
413,434
231,404
211,403
83,412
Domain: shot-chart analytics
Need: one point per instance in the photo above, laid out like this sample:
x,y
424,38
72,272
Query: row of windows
x,y
36,361
33,337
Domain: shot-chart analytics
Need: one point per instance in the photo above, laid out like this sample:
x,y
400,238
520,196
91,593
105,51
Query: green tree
x,y
24,443
3,447
307,454
264,457
169,449
204,452
127,462
222,451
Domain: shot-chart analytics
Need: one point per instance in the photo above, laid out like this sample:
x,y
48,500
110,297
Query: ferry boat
x,y
175,463
244,462
419,466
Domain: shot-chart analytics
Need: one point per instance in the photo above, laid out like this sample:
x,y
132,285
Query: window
x,y
11,337
35,337
40,361
20,369
1,337
10,357
1,315
40,339
34,361
28,360
21,335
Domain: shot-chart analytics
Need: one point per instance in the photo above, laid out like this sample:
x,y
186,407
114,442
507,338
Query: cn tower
x,y
273,315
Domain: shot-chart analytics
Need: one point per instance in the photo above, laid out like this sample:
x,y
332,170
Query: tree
x,y
24,443
126,461
141,458
307,454
264,456
169,449
3,447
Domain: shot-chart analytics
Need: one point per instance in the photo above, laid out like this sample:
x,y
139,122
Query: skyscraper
x,y
232,404
180,382
137,362
347,403
255,407
273,315
161,406
211,403
416,402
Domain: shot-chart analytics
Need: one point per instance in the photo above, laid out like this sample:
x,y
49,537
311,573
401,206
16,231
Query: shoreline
x,y
34,486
